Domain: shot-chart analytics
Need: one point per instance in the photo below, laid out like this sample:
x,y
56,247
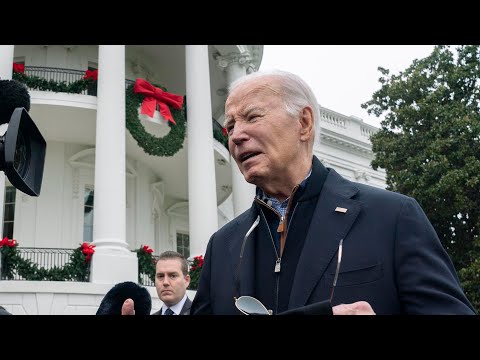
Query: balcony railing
x,y
57,75
47,258
69,76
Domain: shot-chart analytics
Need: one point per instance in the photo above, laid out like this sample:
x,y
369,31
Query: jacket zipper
x,y
282,226
277,263
283,229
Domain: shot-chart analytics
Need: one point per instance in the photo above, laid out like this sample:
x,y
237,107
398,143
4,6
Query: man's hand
x,y
128,308
356,308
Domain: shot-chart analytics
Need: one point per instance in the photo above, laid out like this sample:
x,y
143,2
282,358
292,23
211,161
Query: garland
x,y
146,263
78,269
195,271
221,136
38,83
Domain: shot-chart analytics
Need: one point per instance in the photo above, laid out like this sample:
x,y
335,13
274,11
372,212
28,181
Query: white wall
x,y
55,218
60,56
60,297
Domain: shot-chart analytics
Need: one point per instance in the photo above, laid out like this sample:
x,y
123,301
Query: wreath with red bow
x,y
172,108
167,145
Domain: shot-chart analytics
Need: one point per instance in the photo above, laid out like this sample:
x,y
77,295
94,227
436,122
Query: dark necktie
x,y
168,312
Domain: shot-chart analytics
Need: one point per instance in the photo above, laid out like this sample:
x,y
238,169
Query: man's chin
x,y
251,178
167,298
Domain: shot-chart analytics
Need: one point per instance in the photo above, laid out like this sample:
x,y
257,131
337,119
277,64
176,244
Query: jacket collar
x,y
327,228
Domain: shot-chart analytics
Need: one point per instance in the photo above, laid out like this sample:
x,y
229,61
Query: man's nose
x,y
239,133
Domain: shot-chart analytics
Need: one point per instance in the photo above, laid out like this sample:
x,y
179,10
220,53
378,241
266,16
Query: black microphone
x,y
319,308
22,146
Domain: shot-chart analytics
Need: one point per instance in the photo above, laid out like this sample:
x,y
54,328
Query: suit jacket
x,y
392,256
185,309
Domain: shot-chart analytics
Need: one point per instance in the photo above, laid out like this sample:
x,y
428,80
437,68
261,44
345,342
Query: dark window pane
x,y
9,212
88,215
8,229
10,194
88,197
87,233
183,244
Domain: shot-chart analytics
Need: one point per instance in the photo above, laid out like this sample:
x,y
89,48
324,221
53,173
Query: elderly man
x,y
310,231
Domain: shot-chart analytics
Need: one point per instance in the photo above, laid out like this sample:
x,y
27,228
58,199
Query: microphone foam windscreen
x,y
13,94
116,296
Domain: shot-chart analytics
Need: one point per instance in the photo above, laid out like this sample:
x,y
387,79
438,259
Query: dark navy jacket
x,y
392,257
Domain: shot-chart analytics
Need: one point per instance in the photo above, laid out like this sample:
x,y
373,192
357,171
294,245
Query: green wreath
x,y
168,145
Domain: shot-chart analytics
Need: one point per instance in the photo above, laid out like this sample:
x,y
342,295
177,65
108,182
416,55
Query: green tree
x,y
429,145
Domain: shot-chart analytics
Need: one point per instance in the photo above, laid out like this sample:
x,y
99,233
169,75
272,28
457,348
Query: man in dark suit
x,y
171,281
309,230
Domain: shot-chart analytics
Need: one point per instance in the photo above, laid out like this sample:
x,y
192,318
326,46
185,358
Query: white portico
x,y
100,186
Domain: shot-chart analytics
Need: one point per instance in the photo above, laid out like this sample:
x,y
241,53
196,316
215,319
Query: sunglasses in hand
x,y
248,305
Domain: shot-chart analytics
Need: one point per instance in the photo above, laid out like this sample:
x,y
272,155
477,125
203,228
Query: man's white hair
x,y
296,93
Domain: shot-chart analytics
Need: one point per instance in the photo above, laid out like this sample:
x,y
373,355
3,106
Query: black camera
x,y
22,147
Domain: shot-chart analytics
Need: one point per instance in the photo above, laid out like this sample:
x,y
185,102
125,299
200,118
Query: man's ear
x,y
306,123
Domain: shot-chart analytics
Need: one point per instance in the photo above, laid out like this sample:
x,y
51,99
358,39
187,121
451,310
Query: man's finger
x,y
356,308
128,307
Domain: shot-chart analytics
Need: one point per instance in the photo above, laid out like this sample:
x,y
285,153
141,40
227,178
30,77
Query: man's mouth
x,y
248,155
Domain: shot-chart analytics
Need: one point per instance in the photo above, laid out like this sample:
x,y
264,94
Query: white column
x,y
235,65
112,262
6,61
6,65
202,195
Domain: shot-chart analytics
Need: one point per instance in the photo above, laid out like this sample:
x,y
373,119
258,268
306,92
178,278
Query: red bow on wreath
x,y
154,96
91,74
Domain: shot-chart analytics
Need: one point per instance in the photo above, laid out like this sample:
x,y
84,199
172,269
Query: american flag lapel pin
x,y
341,210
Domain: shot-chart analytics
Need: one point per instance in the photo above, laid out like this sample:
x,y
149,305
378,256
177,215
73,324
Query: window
x,y
88,214
9,211
183,244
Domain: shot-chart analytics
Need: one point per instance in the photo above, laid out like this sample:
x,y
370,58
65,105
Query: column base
x,y
114,267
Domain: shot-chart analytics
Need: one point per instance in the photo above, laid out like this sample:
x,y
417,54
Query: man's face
x,y
170,282
263,137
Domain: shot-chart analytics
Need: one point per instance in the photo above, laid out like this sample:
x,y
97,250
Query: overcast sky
x,y
343,76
